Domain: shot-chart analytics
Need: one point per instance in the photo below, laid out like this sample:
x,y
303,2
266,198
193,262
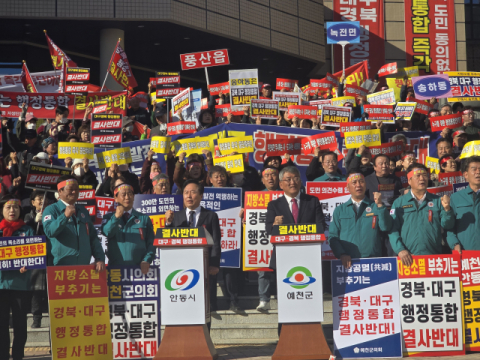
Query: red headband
x,y
407,155
65,183
355,176
120,187
415,172
468,111
459,132
269,170
13,202
444,160
154,183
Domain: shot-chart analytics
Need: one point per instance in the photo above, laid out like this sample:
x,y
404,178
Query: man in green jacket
x,y
418,218
330,165
355,229
466,208
129,232
70,230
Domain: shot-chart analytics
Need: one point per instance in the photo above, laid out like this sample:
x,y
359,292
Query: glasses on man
x,y
295,179
330,162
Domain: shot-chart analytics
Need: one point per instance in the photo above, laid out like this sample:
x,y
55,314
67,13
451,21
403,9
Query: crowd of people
x,y
382,218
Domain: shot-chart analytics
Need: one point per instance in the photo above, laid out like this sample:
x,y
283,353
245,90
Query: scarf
x,y
9,227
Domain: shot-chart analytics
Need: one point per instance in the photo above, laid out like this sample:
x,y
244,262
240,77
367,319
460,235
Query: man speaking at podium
x,y
196,216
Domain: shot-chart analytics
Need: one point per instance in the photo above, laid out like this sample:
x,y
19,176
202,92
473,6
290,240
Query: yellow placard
x,y
297,229
121,156
168,233
75,150
410,71
396,85
239,144
232,133
339,101
432,163
160,144
471,148
233,164
463,99
23,251
158,222
470,303
384,96
195,145
368,138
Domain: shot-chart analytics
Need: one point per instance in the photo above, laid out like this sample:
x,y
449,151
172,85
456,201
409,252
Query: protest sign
x,y
155,206
451,178
285,99
42,106
266,109
181,101
120,68
459,187
410,71
405,110
423,107
233,163
430,299
452,121
294,233
471,298
100,106
23,251
44,177
104,205
432,163
285,84
239,144
106,130
216,89
222,110
330,194
379,112
195,145
86,198
385,97
75,150
441,190
121,156
355,126
227,203
465,85
80,321
321,85
403,178
368,138
204,59
167,84
160,144
257,249
325,141
280,147
335,115
319,104
388,69
354,91
427,87
243,87
76,81
181,127
390,149
472,148
366,309
340,101
134,303
302,111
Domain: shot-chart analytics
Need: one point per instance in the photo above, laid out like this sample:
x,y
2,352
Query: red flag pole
x,y
54,68
28,72
110,63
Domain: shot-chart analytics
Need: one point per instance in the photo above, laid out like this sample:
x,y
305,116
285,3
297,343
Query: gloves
x,y
38,218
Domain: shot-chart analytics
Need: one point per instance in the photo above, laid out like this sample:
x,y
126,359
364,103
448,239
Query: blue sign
x,y
459,187
23,251
365,306
426,87
347,32
151,204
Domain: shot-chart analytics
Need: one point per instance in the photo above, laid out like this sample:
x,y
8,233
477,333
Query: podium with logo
x,y
300,292
184,293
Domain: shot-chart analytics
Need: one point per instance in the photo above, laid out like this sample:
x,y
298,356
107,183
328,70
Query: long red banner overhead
x,y
430,35
372,39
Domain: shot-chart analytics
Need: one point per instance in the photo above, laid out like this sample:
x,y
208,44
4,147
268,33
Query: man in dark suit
x,y
195,216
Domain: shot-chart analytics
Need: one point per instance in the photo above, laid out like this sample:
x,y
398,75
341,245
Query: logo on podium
x,y
182,280
299,277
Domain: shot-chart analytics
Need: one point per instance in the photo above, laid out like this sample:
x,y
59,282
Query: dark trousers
x,y
39,303
233,280
212,284
18,302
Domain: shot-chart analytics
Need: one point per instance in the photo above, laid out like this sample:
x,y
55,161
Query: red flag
x,y
27,81
120,69
58,55
355,74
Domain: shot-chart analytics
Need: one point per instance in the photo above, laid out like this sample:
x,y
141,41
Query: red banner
x,y
354,90
216,89
86,198
423,107
288,84
379,112
452,121
325,141
204,59
388,69
181,127
43,105
356,74
278,147
389,149
302,111
441,190
451,178
27,81
355,126
322,85
372,39
120,69
225,109
430,41
105,205
58,55
403,178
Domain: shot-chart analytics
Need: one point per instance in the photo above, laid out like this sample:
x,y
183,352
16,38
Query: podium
x,y
184,293
300,292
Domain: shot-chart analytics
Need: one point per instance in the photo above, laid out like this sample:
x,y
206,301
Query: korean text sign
x,y
429,86
195,145
76,80
266,109
285,99
324,141
302,111
257,249
121,156
366,309
343,32
134,303
216,89
233,163
181,127
386,97
19,251
204,59
279,147
160,144
368,138
181,101
227,202
465,86
452,121
239,144
335,115
107,130
405,110
379,112
44,177
75,150
243,87
285,84
471,298
80,321
167,84
430,299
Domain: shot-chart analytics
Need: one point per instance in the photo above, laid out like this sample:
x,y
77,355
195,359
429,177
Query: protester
x,y
194,169
83,174
138,113
161,185
150,169
330,162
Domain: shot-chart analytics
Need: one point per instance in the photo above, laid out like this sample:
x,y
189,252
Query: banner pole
x,y
74,100
168,110
343,58
206,75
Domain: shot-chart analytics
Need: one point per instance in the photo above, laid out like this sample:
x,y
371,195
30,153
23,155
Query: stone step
x,y
248,289
35,337
45,320
245,302
227,317
244,331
